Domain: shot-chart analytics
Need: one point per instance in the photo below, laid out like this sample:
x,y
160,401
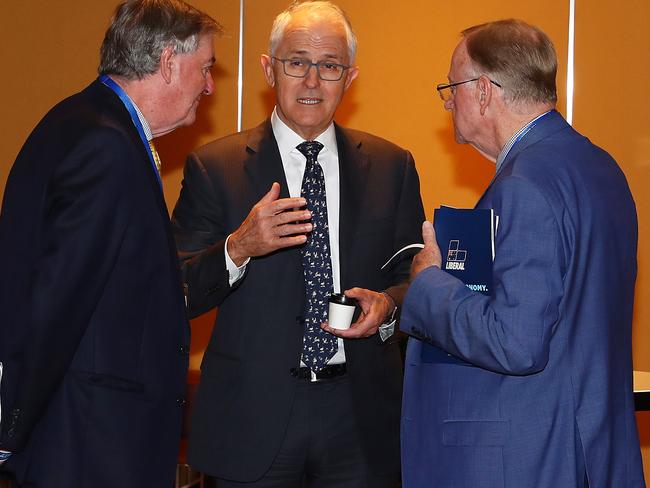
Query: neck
x,y
143,93
517,118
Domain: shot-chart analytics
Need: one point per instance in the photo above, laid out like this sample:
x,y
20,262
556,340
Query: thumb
x,y
353,292
428,234
272,194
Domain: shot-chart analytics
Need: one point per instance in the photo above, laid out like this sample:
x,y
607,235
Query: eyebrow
x,y
303,52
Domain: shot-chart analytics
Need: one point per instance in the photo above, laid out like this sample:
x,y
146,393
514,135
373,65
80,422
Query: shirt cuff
x,y
235,272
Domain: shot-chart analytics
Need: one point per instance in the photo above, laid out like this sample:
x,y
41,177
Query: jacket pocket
x,y
485,433
108,381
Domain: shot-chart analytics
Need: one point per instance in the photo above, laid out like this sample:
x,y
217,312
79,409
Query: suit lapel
x,y
263,164
547,125
354,164
123,119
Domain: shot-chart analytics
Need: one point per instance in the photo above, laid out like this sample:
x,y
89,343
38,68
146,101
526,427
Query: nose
x,y
311,79
449,104
208,89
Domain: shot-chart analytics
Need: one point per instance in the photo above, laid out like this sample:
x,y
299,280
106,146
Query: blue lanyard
x,y
106,80
526,131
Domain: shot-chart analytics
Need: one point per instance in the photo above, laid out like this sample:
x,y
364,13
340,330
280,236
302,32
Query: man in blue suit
x,y
532,385
94,339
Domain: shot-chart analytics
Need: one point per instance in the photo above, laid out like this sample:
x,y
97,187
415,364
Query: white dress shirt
x,y
294,162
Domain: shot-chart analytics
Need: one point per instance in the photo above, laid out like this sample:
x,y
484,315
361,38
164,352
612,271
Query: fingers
x,y
355,292
272,204
364,327
373,311
271,195
283,205
291,217
428,233
273,223
343,333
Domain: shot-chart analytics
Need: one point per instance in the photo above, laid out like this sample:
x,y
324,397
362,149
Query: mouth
x,y
309,101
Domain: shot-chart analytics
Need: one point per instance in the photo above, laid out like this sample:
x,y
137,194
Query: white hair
x,y
281,21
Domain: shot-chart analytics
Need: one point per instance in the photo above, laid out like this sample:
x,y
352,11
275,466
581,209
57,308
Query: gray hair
x,y
141,29
281,21
517,55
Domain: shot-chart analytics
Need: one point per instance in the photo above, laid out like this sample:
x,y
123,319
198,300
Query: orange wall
x,y
612,75
51,51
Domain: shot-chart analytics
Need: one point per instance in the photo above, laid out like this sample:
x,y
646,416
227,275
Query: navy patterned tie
x,y
318,346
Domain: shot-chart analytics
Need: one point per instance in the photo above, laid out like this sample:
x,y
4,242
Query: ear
x,y
351,75
484,93
166,63
267,67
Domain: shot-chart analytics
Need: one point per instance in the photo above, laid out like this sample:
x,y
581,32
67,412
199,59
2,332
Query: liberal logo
x,y
455,257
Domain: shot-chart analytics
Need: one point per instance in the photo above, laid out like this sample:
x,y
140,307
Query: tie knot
x,y
310,149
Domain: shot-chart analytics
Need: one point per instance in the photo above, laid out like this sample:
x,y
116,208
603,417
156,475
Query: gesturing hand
x,y
272,224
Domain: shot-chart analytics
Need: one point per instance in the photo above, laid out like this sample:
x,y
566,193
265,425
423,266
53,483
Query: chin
x,y
189,119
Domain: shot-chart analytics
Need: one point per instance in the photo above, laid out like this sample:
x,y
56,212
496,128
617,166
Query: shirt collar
x,y
143,121
287,139
515,138
122,94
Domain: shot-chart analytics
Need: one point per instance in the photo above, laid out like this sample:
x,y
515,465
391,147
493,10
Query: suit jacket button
x,y
184,350
293,371
180,401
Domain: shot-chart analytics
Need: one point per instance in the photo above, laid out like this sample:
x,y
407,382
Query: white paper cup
x,y
341,311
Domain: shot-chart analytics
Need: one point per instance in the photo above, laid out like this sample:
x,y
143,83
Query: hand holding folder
x,y
430,253
461,242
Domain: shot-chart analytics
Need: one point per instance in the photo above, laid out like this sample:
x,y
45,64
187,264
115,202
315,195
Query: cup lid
x,y
341,299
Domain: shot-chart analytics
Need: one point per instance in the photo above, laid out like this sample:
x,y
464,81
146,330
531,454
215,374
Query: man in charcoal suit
x,y
268,223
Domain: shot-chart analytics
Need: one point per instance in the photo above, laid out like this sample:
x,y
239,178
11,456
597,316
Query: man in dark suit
x,y
530,387
282,402
93,329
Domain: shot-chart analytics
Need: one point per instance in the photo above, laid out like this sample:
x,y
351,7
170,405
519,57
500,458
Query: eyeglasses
x,y
446,90
299,68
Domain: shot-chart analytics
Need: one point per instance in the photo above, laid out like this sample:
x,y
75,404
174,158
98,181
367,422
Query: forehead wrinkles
x,y
322,39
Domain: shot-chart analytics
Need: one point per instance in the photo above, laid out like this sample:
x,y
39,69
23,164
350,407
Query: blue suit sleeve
x,y
508,332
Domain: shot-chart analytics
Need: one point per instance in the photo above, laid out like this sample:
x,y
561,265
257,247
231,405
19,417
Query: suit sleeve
x,y
408,225
87,213
508,332
197,223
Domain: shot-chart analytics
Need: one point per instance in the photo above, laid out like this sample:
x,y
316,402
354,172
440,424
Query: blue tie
x,y
318,346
